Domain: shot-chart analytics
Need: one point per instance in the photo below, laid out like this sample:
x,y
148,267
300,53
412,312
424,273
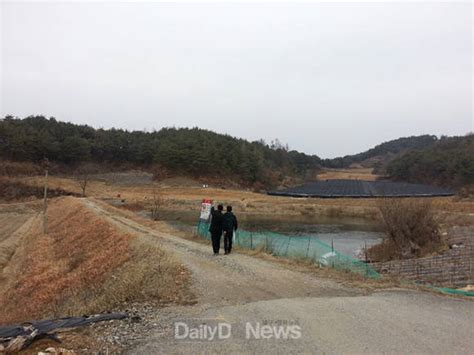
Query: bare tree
x,y
410,226
156,204
82,175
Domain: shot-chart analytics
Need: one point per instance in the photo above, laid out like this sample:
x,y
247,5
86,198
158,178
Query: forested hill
x,y
197,152
192,151
447,162
382,153
427,159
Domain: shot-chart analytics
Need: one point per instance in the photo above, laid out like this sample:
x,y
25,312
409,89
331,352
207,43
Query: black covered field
x,y
360,189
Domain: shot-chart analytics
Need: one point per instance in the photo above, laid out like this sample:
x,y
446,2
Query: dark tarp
x,y
360,189
47,326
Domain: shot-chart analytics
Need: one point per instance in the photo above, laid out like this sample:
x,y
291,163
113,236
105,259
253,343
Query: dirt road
x,y
15,220
244,292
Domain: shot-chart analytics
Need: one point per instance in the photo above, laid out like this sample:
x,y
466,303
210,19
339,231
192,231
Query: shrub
x,y
9,168
410,227
13,190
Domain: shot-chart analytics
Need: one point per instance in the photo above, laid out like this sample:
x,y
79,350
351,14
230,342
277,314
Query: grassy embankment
x,y
84,265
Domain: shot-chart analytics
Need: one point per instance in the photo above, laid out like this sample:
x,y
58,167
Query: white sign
x,y
206,209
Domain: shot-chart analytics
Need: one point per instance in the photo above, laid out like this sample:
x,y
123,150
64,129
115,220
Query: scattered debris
x,y
18,337
56,351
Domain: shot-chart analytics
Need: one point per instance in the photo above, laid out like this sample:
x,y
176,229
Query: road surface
x,y
264,307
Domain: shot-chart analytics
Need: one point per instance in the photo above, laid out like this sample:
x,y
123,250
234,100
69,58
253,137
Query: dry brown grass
x,y
10,168
12,190
350,174
12,229
84,264
149,274
187,198
79,250
411,229
95,188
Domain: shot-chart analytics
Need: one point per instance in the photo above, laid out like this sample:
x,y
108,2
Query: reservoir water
x,y
348,235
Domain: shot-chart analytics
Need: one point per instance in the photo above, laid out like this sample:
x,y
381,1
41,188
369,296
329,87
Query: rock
x,y
58,351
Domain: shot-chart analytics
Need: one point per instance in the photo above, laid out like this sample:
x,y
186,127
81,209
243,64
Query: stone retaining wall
x,y
454,268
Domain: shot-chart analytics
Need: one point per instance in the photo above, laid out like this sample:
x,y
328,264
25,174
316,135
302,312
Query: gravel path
x,y
247,292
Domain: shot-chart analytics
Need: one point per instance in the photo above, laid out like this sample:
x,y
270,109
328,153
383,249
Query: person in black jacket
x,y
216,228
229,225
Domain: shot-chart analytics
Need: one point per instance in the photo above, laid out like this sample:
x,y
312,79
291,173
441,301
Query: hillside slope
x,y
383,153
185,151
447,162
217,158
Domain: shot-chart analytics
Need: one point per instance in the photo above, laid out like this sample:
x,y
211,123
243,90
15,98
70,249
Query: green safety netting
x,y
307,247
453,291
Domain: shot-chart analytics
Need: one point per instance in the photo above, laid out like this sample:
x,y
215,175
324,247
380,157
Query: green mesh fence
x,y
308,247
453,291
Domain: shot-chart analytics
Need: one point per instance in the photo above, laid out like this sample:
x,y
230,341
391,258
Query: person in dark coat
x,y
216,228
229,225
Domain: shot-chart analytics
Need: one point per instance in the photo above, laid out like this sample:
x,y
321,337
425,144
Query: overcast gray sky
x,y
326,78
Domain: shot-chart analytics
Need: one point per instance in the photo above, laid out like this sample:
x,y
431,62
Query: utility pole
x,y
45,202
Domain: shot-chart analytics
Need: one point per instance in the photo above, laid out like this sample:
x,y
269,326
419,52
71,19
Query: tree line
x,y
190,151
393,147
447,162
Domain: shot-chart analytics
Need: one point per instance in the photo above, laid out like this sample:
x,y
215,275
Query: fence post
x,y
288,245
417,270
332,253
453,270
366,261
307,249
470,264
